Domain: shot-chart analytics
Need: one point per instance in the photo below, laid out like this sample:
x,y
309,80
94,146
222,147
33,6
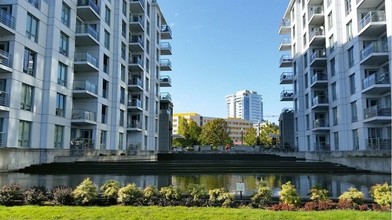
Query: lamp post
x,y
242,136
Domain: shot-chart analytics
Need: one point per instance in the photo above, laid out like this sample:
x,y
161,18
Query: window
x,y
146,122
304,40
58,136
122,95
120,140
122,73
354,113
352,84
330,21
305,60
123,51
304,21
147,65
24,134
335,115
307,122
148,9
347,6
104,110
27,97
306,101
148,28
332,67
146,104
306,80
103,140
106,64
349,30
107,40
121,117
148,46
60,105
105,89
350,55
32,28
29,62
355,139
124,8
107,15
64,44
65,14
336,140
331,44
62,74
333,88
124,29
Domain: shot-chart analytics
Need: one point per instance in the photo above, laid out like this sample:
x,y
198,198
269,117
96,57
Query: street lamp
x,y
242,136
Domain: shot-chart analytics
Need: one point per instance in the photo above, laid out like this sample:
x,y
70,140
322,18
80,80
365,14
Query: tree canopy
x,y
250,137
266,130
189,131
215,133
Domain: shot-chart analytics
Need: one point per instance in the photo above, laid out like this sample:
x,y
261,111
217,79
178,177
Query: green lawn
x,y
175,213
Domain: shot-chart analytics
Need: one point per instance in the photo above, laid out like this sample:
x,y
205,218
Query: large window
x,y
32,28
120,141
332,67
349,30
121,118
65,14
107,40
355,139
336,140
350,56
124,7
333,88
330,21
29,61
352,84
24,134
354,113
64,44
103,140
58,136
335,115
107,15
26,102
62,74
60,105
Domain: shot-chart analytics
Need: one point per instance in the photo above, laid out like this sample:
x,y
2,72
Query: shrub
x,y
36,195
151,195
130,195
262,197
289,195
171,193
85,193
382,194
62,195
198,192
220,197
353,197
318,194
110,191
11,194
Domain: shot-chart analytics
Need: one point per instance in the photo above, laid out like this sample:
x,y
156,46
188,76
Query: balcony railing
x,y
372,16
375,111
165,62
7,19
86,57
136,60
90,3
166,29
83,115
3,139
285,23
286,76
85,85
34,3
316,32
322,146
165,96
135,103
5,58
286,58
4,99
320,122
315,10
137,19
318,77
165,46
135,82
137,39
318,54
286,94
135,124
376,79
164,78
374,47
319,100
378,143
87,29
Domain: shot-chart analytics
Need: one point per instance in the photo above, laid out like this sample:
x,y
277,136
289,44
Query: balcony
x,y
7,22
3,139
4,101
286,78
376,84
378,143
318,58
134,125
285,27
83,117
135,84
375,53
287,95
136,6
286,61
319,80
165,81
165,97
136,64
317,37
373,24
5,62
85,62
166,48
136,24
320,102
322,147
135,104
365,4
86,35
165,65
285,44
316,15
320,124
136,44
88,10
84,89
166,32
377,114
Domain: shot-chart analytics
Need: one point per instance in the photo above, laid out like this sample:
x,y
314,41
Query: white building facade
x,y
82,73
338,61
246,105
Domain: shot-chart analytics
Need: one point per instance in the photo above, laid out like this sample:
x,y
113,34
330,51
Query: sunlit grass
x,y
175,213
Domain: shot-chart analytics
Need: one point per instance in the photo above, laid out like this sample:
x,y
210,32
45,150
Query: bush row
x,y
111,193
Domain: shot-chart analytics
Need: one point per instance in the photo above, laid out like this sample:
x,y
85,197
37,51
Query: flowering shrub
x,y
289,195
36,195
151,195
10,194
351,199
382,194
318,194
262,197
198,192
62,195
130,195
220,197
85,192
110,191
171,193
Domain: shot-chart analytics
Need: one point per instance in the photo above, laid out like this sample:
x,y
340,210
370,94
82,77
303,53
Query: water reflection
x,y
336,184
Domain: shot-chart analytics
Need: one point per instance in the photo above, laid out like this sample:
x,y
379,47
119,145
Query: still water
x,y
335,183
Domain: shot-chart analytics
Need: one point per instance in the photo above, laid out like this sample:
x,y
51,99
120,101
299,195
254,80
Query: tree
x,y
266,130
190,132
215,133
250,137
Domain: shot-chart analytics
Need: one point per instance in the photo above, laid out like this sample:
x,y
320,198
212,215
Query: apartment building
x,y
338,61
245,104
82,73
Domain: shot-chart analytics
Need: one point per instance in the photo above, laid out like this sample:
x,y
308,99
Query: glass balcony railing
x,y
135,82
136,60
166,29
320,122
4,99
86,57
372,16
135,124
286,58
374,47
165,96
3,139
78,114
165,63
317,100
378,78
375,111
286,76
318,77
316,32
318,54
85,85
140,1
92,3
285,23
137,19
87,29
135,103
7,19
165,46
379,143
316,10
5,58
165,79
137,39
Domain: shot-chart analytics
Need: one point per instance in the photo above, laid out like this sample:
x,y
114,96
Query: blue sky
x,y
221,47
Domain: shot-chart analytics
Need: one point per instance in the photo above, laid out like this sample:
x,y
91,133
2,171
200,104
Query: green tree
x,y
266,130
250,137
189,131
215,133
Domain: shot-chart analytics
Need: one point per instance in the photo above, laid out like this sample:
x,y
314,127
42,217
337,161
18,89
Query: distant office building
x,y
245,104
236,126
286,129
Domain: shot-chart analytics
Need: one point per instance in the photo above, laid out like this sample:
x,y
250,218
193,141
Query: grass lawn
x,y
175,213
